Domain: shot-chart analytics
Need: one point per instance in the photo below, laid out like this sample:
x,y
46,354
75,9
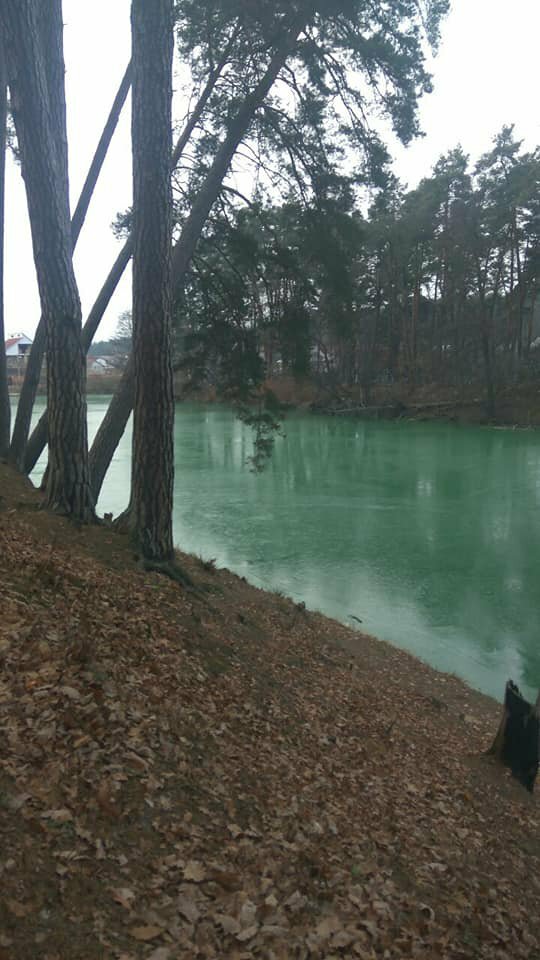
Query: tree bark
x,y
50,28
38,438
152,468
21,429
111,429
5,409
79,215
27,396
41,133
113,425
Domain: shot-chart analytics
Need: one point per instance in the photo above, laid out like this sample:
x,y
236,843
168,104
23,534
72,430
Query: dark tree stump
x,y
516,744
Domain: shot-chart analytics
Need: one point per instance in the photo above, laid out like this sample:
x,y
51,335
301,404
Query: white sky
x,y
485,75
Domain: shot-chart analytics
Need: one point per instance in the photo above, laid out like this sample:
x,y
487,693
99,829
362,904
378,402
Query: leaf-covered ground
x,y
219,773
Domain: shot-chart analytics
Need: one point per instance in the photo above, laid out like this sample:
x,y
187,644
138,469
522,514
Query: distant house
x,y
18,345
17,349
99,365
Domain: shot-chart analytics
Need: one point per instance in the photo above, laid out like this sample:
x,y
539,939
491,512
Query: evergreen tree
x,y
153,457
33,43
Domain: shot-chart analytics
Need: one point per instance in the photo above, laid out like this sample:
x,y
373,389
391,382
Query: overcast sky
x,y
485,75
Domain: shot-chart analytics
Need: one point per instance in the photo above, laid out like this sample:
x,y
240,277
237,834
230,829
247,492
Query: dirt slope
x,y
218,773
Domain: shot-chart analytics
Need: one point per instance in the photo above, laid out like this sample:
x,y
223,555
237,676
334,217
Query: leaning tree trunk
x,y
79,214
152,470
30,385
112,427
38,438
5,409
40,126
517,740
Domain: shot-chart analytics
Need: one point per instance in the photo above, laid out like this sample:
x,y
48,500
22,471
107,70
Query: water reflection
x,y
429,533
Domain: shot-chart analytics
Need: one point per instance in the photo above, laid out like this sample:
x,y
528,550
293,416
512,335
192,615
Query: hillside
x,y
217,772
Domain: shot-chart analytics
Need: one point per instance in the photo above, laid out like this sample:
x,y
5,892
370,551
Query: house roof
x,y
11,341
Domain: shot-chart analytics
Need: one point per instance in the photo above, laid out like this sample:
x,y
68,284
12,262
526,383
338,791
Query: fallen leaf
x,y
296,901
248,933
15,803
227,924
326,927
188,908
46,733
226,878
160,953
146,933
248,914
16,908
274,930
105,800
343,938
58,816
124,896
194,871
100,849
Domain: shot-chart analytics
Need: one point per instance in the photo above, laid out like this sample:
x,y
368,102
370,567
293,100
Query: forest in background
x,y
435,285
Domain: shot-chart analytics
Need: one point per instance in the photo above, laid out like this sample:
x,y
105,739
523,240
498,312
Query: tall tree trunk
x,y
40,125
112,427
35,359
152,469
5,409
50,29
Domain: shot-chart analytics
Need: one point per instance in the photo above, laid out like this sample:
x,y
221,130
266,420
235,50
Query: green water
x,y
429,533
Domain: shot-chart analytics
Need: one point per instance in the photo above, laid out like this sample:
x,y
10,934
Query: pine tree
x,y
152,473
33,43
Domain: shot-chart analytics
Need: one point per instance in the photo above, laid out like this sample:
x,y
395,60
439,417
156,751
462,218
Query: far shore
x,y
516,406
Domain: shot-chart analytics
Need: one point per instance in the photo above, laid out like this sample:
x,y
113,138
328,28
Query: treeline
x,y
436,284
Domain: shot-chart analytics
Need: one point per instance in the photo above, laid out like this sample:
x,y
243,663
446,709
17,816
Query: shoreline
x,y
517,407
113,550
351,639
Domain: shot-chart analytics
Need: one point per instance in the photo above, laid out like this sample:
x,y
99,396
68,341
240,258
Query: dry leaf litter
x,y
219,773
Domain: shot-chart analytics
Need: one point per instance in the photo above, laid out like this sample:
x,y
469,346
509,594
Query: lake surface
x,y
429,533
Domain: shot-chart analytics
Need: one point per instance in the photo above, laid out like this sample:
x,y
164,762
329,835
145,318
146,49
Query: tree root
x,y
171,570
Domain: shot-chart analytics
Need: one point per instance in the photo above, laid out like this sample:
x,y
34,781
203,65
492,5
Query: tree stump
x,y
516,743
